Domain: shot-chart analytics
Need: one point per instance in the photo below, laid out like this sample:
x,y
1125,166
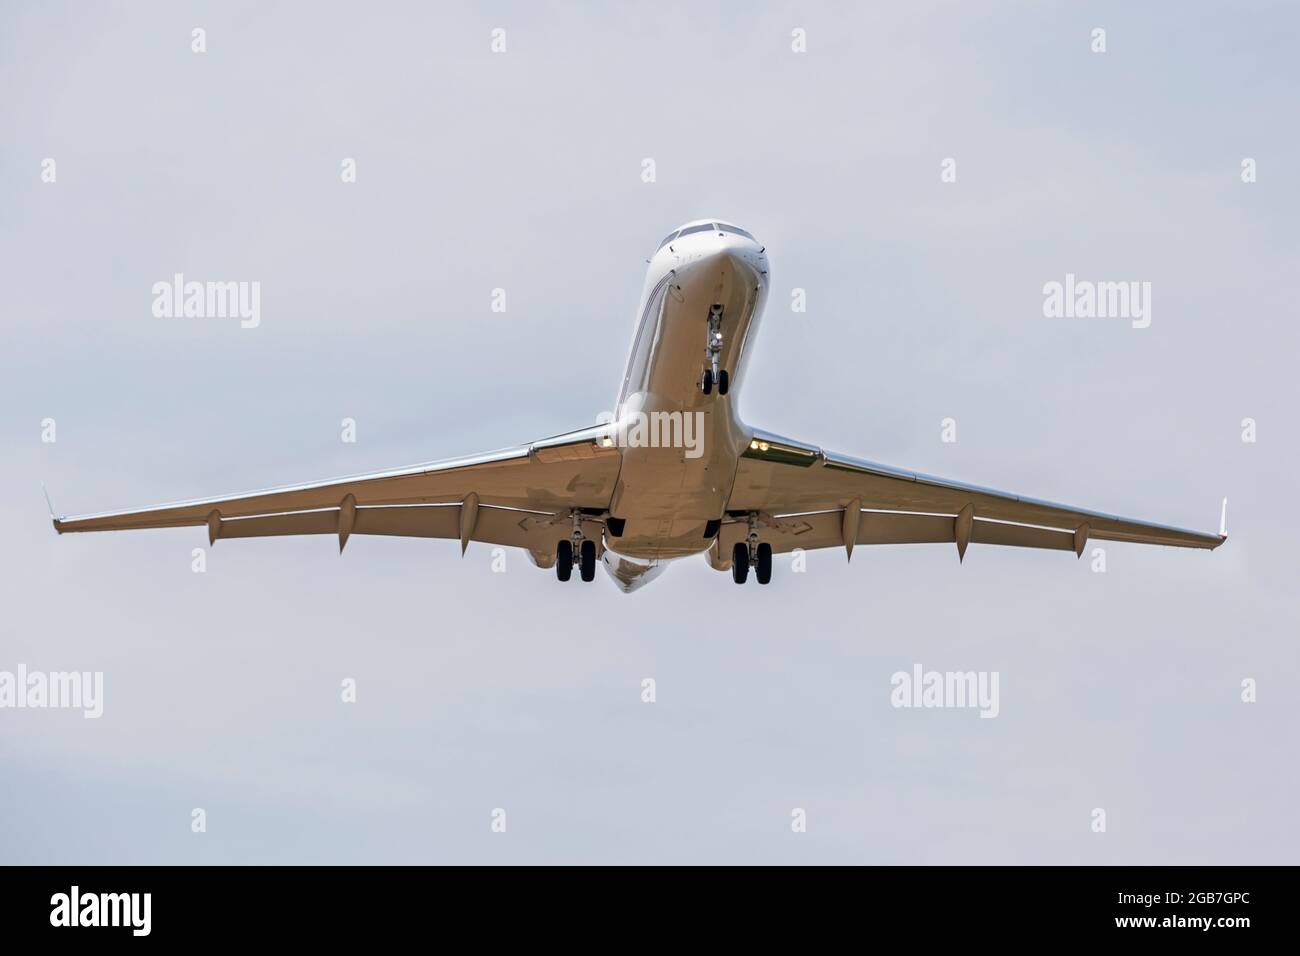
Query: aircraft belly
x,y
666,500
668,492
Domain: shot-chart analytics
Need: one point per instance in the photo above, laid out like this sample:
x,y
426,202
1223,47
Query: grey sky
x,y
522,171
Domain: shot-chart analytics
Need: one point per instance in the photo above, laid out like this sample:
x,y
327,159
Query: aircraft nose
x,y
742,259
718,273
732,250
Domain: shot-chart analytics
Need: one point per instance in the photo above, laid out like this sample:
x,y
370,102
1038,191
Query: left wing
x,y
808,498
519,497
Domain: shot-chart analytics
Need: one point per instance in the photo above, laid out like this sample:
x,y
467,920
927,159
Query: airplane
x,y
612,494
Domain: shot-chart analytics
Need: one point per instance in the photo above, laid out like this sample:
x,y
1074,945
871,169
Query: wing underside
x,y
526,497
516,497
808,498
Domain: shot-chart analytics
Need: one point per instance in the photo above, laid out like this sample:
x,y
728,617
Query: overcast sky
x,y
522,170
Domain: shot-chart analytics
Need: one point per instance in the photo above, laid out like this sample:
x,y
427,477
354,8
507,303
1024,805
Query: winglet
x,y
1223,521
49,504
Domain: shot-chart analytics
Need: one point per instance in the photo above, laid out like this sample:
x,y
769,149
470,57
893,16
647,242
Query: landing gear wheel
x,y
706,386
724,381
587,560
564,559
763,569
740,562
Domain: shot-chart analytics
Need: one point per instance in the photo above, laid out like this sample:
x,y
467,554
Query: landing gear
x,y
740,562
723,381
564,560
576,549
712,349
751,552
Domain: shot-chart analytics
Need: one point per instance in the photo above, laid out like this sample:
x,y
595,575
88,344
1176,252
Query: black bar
x,y
370,904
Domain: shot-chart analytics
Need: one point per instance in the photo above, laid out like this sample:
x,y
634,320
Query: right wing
x,y
809,498
521,497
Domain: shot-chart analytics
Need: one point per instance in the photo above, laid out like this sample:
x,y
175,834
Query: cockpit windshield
x,y
723,227
705,227
692,230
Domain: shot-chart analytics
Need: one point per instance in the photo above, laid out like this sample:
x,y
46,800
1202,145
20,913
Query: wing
x,y
808,498
521,497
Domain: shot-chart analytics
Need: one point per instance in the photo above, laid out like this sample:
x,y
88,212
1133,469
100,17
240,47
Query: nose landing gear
x,y
712,348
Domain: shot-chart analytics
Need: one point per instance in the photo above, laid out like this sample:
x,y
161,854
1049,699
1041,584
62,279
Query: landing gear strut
x,y
712,348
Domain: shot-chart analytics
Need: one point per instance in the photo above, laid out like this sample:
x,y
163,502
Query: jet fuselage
x,y
667,495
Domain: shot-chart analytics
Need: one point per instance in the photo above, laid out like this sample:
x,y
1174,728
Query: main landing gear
x,y
751,552
579,548
712,348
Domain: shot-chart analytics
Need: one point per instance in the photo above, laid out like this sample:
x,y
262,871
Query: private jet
x,y
673,472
